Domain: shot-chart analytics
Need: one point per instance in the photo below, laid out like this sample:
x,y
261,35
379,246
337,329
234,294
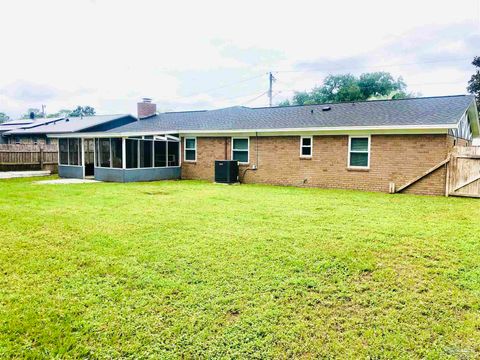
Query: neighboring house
x,y
35,131
7,127
358,145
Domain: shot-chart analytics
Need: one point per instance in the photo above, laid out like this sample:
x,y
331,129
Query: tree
x,y
347,87
474,82
60,114
83,111
4,117
379,83
36,113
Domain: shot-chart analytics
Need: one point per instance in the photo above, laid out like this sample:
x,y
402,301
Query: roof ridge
x,y
364,101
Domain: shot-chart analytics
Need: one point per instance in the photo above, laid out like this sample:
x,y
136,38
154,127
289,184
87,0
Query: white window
x,y
240,151
359,152
306,145
190,146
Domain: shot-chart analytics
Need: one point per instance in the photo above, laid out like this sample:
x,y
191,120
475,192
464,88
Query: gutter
x,y
254,131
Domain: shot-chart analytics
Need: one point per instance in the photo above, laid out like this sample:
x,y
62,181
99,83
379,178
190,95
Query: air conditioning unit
x,y
226,171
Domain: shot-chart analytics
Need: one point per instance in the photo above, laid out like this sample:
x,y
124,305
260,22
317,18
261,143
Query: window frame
x,y
306,146
247,150
189,149
350,137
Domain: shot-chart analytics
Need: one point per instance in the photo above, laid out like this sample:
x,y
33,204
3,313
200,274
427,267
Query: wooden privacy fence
x,y
463,172
462,175
28,157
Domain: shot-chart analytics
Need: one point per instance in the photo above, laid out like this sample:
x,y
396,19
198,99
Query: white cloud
x,y
108,53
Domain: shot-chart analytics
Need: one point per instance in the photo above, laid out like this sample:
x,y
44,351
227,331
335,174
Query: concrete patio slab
x,y
66,181
22,174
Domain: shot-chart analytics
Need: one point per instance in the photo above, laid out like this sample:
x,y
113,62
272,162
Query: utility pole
x,y
271,79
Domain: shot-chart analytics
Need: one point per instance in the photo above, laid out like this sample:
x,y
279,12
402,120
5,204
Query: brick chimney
x,y
146,108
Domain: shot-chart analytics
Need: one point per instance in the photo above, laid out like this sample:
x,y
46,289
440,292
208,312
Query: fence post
x,y
40,154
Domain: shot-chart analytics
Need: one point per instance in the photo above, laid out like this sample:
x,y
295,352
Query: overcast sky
x,y
209,54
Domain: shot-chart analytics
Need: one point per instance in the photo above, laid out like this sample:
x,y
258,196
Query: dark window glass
x,y
241,156
306,151
104,152
240,144
146,153
63,146
359,144
73,151
116,152
132,153
190,155
173,153
306,141
160,154
359,159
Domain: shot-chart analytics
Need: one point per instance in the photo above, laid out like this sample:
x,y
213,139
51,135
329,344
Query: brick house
x,y
358,145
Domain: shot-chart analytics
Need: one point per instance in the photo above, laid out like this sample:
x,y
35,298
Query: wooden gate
x,y
463,172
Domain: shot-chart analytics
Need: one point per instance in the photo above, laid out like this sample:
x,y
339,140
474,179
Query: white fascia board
x,y
404,129
110,134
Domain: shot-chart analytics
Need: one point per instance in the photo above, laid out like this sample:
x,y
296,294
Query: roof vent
x,y
311,111
326,108
67,120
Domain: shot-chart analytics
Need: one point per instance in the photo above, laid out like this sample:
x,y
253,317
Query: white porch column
x,y
124,154
82,151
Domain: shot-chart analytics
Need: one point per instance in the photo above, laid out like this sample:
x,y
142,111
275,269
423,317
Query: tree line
x,y
335,88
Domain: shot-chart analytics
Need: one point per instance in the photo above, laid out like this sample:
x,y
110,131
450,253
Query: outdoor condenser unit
x,y
226,171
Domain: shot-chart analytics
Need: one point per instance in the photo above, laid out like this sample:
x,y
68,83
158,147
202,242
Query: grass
x,y
196,270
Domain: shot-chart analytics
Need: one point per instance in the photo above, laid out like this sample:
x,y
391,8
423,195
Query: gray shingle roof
x,y
416,112
66,125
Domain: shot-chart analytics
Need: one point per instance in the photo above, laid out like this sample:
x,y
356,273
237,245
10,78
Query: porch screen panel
x,y
173,153
104,152
116,152
63,147
146,153
97,153
132,153
160,153
73,151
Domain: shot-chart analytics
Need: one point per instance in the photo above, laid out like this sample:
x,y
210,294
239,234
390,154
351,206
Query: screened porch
x,y
122,159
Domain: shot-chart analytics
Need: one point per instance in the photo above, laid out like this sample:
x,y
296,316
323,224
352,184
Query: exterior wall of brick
x,y
393,158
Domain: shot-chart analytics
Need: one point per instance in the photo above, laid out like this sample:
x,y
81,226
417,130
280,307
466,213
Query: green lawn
x,y
196,270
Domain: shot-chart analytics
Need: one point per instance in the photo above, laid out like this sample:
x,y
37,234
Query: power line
x,y
371,67
255,98
222,86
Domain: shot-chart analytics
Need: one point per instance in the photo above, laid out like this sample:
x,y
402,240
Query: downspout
x,y
226,148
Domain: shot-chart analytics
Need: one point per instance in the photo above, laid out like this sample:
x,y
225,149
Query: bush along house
x,y
358,145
